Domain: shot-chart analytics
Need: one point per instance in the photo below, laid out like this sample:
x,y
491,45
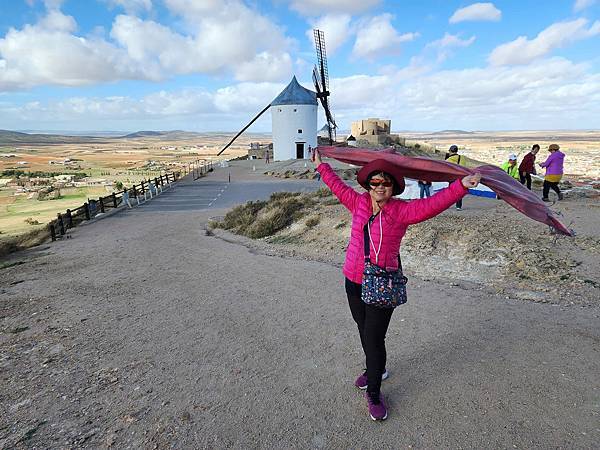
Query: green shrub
x,y
282,195
312,221
261,219
331,202
323,192
241,216
276,216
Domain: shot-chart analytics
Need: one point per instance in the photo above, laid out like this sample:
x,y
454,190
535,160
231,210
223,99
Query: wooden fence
x,y
146,189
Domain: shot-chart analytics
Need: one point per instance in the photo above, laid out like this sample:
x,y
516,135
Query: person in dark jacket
x,y
453,157
424,188
527,166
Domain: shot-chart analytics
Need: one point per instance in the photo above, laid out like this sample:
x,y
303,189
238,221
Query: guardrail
x,y
146,189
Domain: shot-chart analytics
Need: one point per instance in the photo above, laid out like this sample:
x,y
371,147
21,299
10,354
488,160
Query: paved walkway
x,y
143,332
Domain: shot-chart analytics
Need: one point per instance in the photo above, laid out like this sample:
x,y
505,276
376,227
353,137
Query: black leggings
x,y
372,325
547,186
525,177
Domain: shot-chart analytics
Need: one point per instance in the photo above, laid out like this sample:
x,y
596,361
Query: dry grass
x,y
26,240
265,218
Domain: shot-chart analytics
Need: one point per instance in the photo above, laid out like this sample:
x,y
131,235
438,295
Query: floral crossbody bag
x,y
380,287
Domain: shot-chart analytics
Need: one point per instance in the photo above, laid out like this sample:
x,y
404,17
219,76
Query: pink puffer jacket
x,y
394,218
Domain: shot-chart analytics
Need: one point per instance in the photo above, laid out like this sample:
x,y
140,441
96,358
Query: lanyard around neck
x,y
378,250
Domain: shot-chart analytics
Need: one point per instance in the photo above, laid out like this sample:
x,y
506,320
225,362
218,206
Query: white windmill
x,y
294,116
294,112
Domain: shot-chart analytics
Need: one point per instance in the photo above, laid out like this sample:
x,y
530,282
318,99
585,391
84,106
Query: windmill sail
x,y
244,129
321,81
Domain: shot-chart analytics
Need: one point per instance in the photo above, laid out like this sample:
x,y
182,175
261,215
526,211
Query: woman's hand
x,y
471,181
316,157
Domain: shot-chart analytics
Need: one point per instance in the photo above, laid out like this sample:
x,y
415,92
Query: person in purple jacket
x,y
386,219
554,171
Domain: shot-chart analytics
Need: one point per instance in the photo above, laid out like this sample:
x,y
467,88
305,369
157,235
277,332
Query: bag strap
x,y
367,248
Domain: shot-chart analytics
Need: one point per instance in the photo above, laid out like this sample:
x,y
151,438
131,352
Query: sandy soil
x,y
141,331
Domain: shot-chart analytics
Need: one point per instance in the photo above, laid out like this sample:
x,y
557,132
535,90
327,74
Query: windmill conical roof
x,y
295,94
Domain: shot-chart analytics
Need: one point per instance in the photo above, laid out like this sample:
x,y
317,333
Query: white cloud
x,y
580,5
477,12
452,40
53,4
131,6
314,8
337,30
265,66
226,108
447,43
57,21
555,93
48,54
377,36
220,37
522,50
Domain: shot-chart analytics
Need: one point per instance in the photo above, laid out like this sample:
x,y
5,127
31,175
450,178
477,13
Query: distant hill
x,y
171,135
140,134
453,132
15,138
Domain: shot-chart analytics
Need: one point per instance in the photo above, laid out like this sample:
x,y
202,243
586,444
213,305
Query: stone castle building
x,y
374,131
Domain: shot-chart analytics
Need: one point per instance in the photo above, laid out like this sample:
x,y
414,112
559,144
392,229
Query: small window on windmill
x,y
279,109
299,130
295,110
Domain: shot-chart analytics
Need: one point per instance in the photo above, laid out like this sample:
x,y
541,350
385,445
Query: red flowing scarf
x,y
509,189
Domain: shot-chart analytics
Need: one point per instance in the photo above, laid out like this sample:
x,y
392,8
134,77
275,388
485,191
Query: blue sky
x,y
210,65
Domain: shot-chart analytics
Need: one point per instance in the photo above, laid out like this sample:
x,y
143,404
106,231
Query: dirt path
x,y
143,332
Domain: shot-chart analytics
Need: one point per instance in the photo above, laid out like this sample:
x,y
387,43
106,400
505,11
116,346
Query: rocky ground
x,y
143,330
488,243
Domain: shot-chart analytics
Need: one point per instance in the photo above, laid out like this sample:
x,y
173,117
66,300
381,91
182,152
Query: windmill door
x,y
299,150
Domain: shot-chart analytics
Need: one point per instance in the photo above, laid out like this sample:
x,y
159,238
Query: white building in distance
x,y
294,120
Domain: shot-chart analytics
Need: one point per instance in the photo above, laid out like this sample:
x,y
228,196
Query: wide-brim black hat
x,y
381,165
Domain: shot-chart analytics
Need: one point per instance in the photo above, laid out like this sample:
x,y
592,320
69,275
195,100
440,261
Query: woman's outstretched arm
x,y
345,194
417,211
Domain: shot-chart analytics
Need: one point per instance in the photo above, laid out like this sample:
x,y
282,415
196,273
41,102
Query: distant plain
x,y
141,156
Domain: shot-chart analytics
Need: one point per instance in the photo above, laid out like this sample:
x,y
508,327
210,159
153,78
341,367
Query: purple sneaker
x,y
377,411
361,382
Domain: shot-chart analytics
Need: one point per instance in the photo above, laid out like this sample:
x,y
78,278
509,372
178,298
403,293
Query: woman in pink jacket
x,y
388,219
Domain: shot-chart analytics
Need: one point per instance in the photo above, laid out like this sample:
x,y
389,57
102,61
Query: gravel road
x,y
141,331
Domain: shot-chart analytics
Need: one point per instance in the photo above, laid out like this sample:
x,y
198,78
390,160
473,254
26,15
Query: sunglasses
x,y
384,183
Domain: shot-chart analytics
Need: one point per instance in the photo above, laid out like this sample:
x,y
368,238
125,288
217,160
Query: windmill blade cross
x,y
321,81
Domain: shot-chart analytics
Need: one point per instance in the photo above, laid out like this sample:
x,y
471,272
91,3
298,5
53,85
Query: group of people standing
x,y
554,165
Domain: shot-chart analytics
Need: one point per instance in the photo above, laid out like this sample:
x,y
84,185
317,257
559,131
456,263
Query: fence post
x,y
52,231
61,224
101,204
70,217
114,199
86,207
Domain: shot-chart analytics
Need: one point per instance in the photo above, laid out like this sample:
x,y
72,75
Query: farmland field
x,y
125,160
